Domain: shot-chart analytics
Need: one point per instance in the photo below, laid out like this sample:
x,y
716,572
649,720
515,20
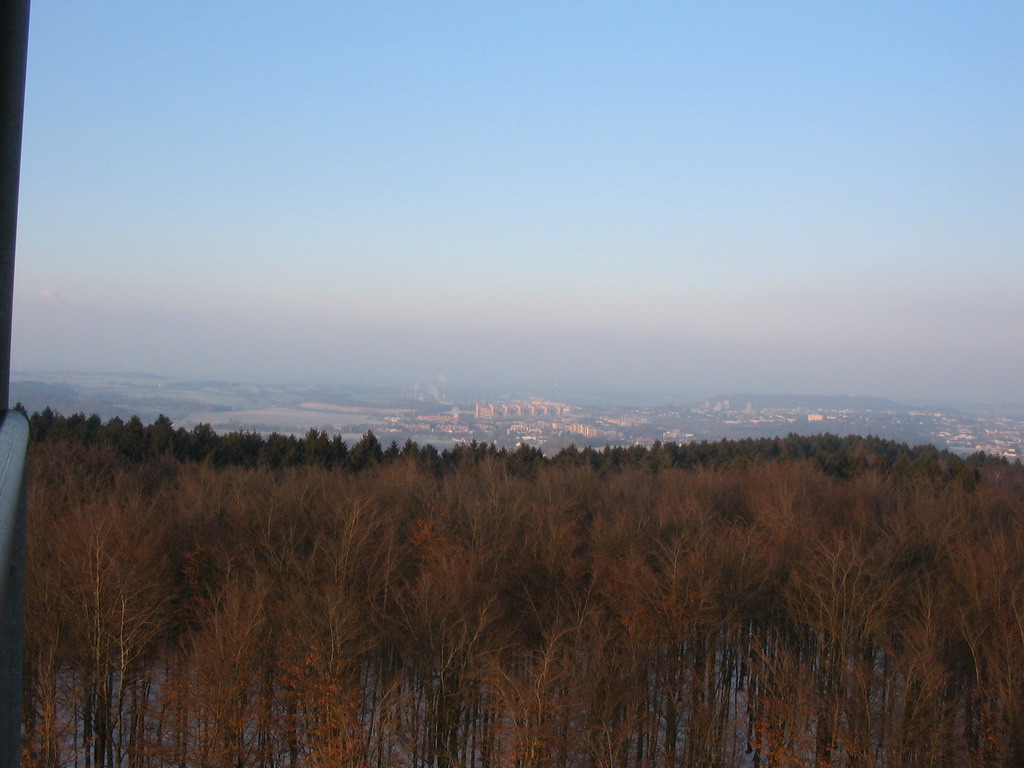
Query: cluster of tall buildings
x,y
519,409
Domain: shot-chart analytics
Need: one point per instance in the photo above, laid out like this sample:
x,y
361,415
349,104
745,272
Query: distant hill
x,y
106,402
37,395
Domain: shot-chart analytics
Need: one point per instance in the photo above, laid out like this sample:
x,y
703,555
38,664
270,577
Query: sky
x,y
672,197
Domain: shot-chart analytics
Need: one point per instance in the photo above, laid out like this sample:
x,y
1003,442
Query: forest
x,y
196,599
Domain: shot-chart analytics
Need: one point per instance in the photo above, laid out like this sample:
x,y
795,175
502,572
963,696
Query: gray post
x,y
13,443
13,427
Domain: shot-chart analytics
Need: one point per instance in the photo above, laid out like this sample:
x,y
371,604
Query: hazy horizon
x,y
658,197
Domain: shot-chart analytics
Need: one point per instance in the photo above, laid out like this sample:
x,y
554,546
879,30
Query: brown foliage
x,y
193,615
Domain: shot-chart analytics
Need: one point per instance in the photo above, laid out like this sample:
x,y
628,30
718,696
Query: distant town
x,y
435,415
551,425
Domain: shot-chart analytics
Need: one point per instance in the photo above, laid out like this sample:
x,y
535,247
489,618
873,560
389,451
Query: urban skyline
x,y
507,420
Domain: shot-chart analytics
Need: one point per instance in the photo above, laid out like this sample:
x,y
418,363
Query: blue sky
x,y
672,197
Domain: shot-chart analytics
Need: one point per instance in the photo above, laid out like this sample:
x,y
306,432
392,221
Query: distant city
x,y
440,415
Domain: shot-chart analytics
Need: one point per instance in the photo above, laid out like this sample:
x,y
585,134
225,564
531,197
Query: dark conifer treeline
x,y
805,601
839,457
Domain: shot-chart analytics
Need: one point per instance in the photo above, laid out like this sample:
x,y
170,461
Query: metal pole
x,y
13,442
13,55
13,428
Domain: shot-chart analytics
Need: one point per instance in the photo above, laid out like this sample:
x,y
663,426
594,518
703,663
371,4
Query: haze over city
x,y
671,197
